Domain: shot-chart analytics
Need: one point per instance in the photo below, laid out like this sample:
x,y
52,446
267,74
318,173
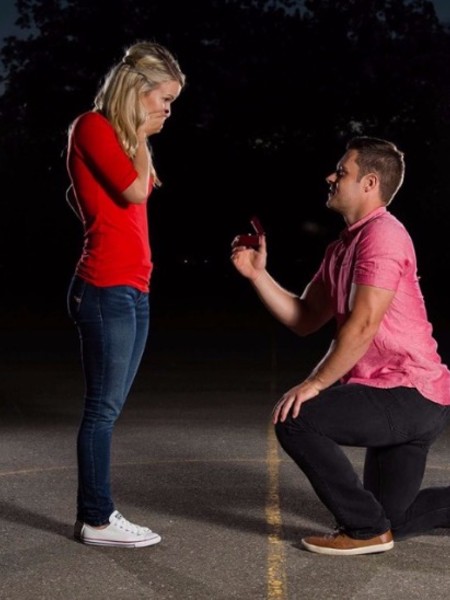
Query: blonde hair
x,y
143,67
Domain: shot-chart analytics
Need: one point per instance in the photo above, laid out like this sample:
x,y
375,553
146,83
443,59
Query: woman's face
x,y
157,104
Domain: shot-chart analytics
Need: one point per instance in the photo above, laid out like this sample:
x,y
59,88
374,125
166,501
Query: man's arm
x,y
302,314
368,305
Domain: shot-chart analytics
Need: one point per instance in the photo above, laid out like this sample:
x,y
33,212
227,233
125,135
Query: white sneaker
x,y
120,533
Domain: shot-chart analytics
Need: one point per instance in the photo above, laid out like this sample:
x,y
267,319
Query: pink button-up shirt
x,y
378,251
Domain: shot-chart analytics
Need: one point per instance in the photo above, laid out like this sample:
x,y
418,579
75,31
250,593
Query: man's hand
x,y
250,262
292,400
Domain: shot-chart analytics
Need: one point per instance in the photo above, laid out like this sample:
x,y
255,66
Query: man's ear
x,y
370,182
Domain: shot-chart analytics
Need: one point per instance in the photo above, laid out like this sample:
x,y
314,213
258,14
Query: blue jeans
x,y
113,326
397,427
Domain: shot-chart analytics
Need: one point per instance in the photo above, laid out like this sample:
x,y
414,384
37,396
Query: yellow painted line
x,y
276,574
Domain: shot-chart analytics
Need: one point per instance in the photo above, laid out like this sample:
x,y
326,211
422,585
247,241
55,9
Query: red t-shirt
x,y
116,247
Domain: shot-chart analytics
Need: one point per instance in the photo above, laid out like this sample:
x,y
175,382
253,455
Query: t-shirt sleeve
x,y
383,256
96,140
322,273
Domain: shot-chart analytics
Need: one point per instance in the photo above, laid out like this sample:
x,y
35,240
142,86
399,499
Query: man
x,y
382,384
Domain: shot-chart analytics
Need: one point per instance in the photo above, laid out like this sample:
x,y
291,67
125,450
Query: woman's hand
x,y
153,123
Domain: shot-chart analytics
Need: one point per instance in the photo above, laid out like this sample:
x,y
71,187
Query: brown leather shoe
x,y
338,543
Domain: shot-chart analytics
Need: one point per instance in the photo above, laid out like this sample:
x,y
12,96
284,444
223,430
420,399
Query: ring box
x,y
251,239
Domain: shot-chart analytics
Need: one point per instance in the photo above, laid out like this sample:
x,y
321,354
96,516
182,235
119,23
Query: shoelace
x,y
122,523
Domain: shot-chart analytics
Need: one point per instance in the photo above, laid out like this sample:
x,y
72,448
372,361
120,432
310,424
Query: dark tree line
x,y
274,89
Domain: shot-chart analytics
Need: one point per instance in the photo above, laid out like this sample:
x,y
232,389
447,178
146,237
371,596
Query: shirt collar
x,y
350,231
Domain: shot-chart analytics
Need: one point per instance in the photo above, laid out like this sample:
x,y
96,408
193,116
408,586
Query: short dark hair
x,y
382,157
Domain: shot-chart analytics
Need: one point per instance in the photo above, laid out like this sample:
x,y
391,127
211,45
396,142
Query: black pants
x,y
397,426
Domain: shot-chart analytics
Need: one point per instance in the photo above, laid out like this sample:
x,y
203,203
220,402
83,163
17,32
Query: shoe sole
x,y
142,544
349,552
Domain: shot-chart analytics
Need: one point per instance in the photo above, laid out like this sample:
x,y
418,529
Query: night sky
x,y
200,219
8,15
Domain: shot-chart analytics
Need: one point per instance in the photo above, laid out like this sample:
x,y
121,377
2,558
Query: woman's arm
x,y
72,202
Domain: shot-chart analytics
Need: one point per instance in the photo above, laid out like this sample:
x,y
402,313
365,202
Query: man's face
x,y
346,188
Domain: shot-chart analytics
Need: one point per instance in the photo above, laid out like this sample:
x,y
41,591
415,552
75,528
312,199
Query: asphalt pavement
x,y
195,459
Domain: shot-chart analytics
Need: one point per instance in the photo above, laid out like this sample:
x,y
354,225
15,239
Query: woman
x,y
112,175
